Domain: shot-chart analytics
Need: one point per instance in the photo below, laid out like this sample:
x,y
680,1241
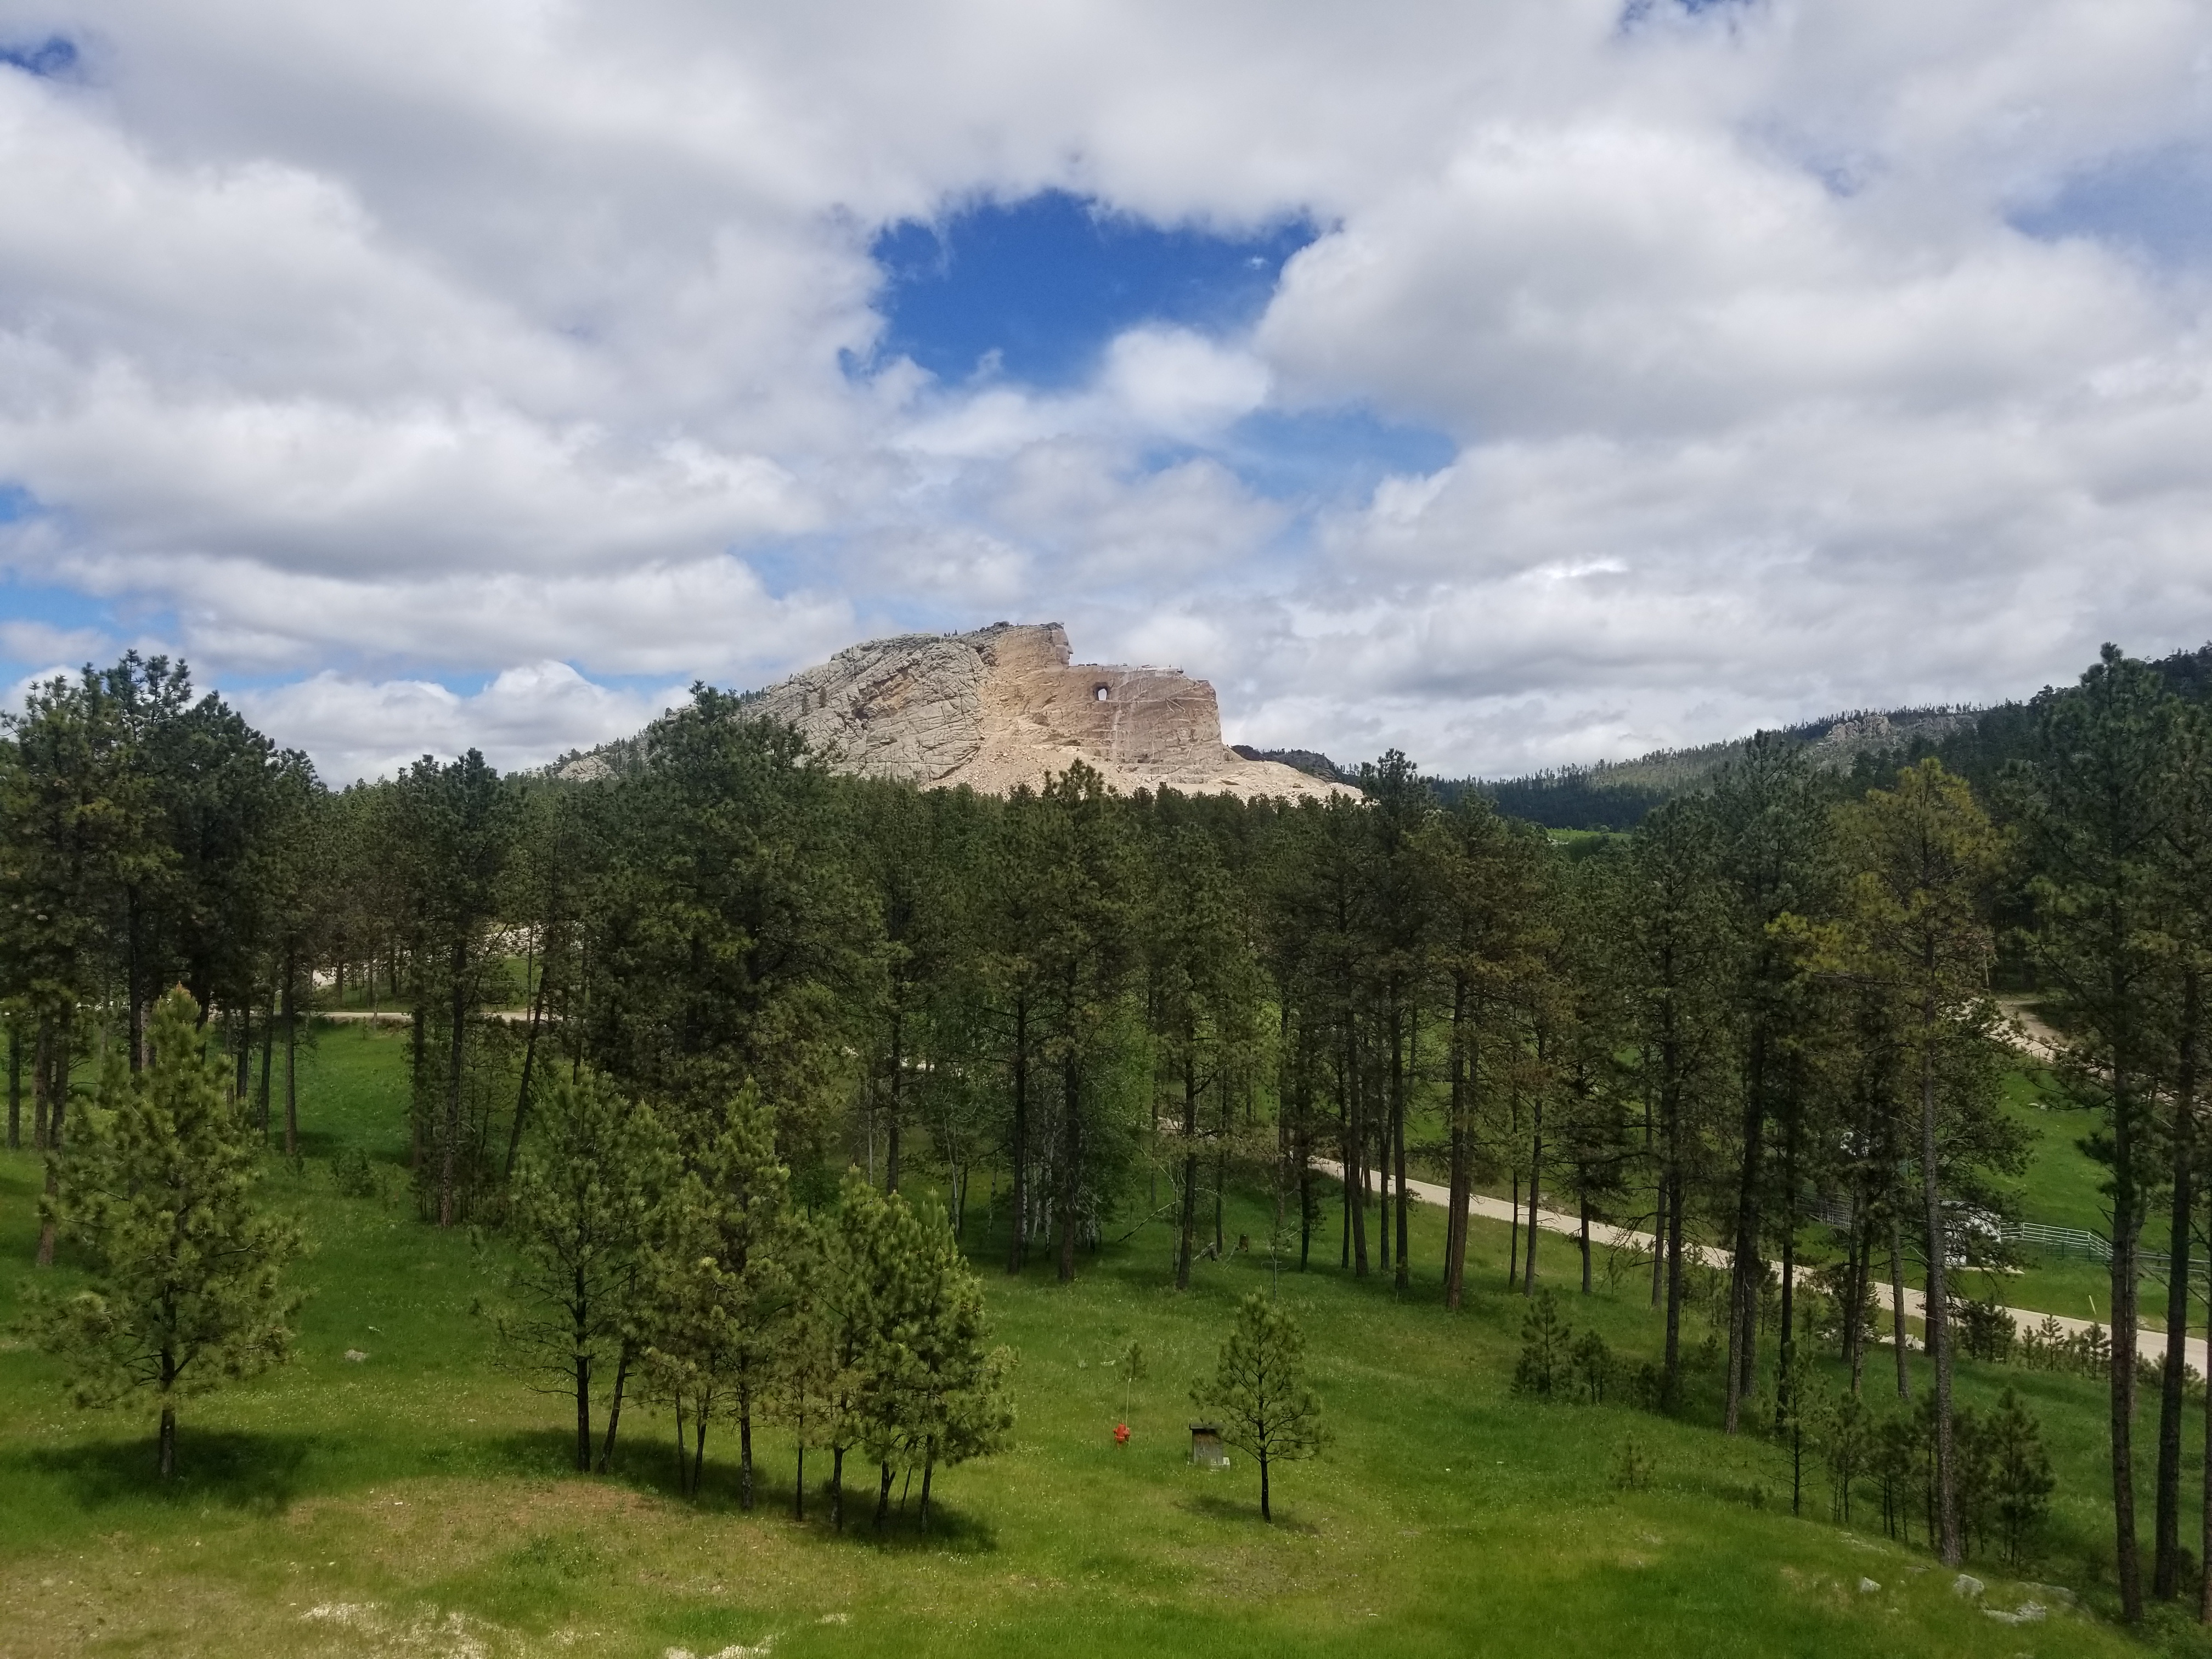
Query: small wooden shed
x,y
1206,1451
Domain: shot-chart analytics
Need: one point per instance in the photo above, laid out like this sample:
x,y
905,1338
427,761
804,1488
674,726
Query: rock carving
x,y
1003,706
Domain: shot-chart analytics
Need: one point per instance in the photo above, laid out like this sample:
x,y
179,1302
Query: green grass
x,y
416,1501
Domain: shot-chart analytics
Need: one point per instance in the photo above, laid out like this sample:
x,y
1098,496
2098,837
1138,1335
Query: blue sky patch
x,y
1334,454
2159,202
54,58
1045,282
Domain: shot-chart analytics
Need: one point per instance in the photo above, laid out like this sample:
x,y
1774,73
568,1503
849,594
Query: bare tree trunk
x,y
15,1086
168,1440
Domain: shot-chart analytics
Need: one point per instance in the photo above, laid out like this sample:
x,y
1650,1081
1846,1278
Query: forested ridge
x,y
1976,743
683,1034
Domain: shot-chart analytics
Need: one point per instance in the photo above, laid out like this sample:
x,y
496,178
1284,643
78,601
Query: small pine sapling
x,y
1592,1365
1847,1435
1129,1366
187,1287
2022,1480
1632,1467
1258,1394
1547,1342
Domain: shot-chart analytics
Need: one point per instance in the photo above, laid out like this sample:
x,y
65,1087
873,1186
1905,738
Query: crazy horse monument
x,y
1003,706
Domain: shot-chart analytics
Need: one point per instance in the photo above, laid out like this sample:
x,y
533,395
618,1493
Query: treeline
x,y
1615,796
1768,1004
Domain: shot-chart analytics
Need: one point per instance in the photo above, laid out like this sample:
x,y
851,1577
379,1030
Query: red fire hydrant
x,y
1121,1434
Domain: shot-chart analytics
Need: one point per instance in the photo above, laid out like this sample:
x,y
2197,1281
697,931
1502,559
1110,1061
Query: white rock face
x,y
1003,706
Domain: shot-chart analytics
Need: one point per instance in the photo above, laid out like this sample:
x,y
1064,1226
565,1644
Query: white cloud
x,y
371,346
367,729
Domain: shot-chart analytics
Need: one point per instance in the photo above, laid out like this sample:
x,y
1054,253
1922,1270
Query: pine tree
x,y
592,1175
187,1287
809,1381
1545,1349
2021,1479
721,1282
1926,856
1258,1392
2096,809
1847,1429
954,1397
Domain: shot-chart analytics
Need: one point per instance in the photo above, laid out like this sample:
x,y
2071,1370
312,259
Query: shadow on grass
x,y
1241,1508
258,1473
648,1464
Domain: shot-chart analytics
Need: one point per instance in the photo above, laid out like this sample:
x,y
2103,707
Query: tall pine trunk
x,y
614,1409
1743,1267
2126,1224
1020,1148
1897,1305
1187,1235
2166,1571
1355,1161
1535,1188
1070,1151
291,1059
529,1059
1398,1039
1462,1160
898,1077
449,1151
268,1059
1937,1315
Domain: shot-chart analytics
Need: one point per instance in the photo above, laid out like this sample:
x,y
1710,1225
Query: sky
x,y
1517,383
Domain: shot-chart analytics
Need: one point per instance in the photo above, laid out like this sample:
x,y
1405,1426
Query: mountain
x,y
1000,708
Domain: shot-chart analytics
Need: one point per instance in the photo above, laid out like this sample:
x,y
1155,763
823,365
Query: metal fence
x,y
2051,1241
2059,1241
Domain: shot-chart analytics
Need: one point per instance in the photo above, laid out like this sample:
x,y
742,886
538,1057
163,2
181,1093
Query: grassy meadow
x,y
417,1501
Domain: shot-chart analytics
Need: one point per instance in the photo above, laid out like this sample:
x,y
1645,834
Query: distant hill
x,y
1863,747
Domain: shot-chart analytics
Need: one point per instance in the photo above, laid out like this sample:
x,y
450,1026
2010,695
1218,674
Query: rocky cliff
x,y
1004,706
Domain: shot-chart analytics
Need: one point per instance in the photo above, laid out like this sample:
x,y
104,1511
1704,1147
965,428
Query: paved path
x,y
400,1015
1605,1237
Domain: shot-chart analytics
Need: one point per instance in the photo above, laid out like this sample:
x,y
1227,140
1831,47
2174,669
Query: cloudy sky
x,y
1513,381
